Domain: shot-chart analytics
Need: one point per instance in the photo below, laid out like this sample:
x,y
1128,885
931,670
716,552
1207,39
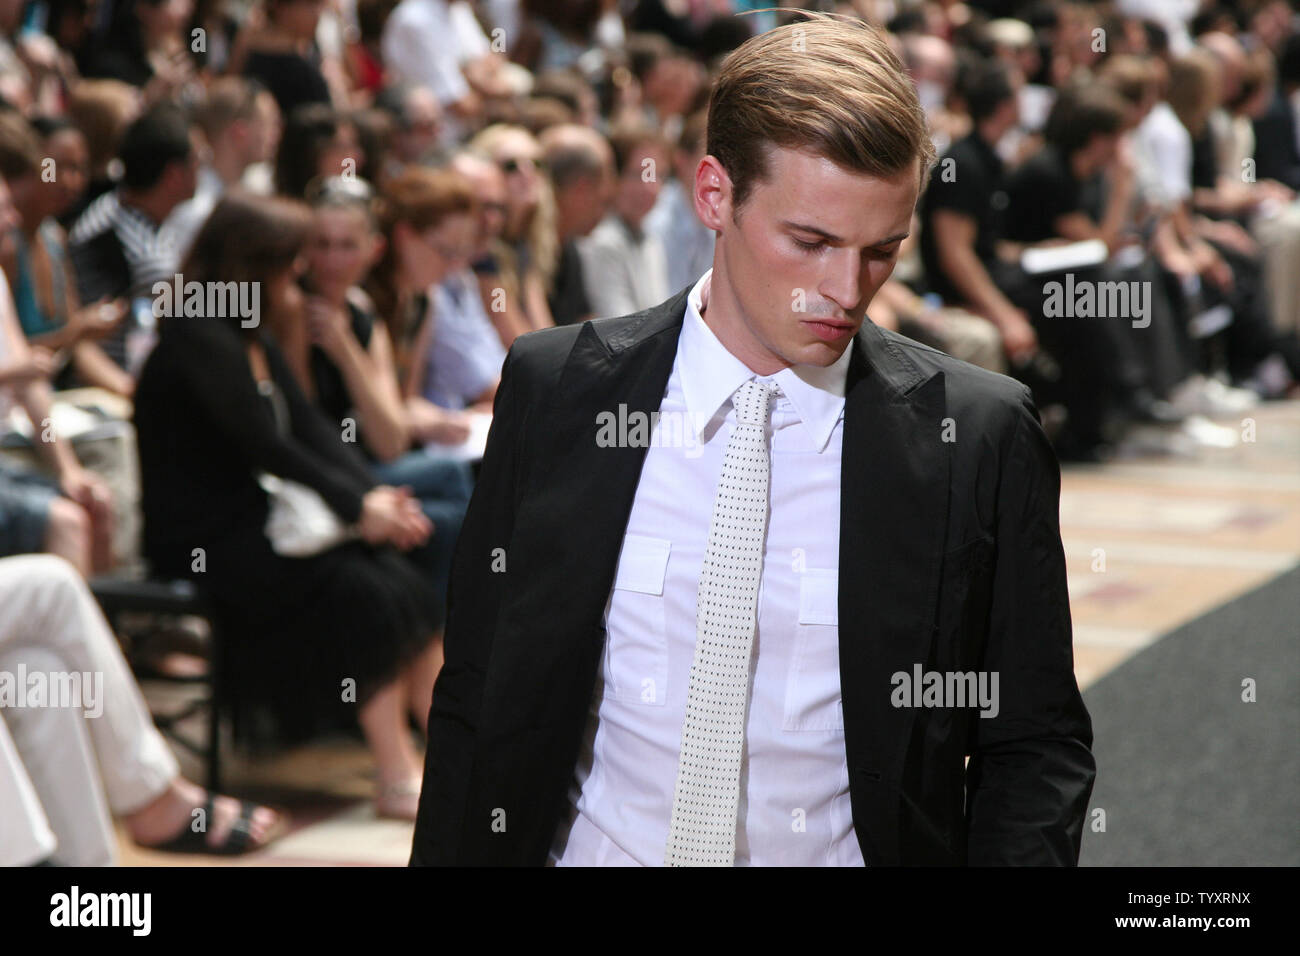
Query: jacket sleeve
x,y
1031,768
477,587
217,372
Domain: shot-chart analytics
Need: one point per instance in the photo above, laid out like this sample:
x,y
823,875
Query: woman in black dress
x,y
347,630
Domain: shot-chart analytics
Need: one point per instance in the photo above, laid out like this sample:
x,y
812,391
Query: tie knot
x,y
753,402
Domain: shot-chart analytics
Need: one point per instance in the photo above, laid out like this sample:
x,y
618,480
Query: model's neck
x,y
721,312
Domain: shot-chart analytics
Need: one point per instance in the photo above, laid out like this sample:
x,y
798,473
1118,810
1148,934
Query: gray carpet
x,y
1187,773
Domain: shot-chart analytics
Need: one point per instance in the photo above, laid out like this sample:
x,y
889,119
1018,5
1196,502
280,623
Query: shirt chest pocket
x,y
635,665
812,692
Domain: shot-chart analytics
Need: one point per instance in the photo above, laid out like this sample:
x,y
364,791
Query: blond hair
x,y
540,232
1194,88
826,84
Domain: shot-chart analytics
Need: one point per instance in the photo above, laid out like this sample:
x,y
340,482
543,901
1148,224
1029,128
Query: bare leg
x,y
420,678
383,721
101,538
68,534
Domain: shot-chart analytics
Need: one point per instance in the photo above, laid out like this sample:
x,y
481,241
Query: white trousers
x,y
68,773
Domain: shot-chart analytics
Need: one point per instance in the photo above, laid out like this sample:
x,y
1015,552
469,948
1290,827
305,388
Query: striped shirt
x,y
117,251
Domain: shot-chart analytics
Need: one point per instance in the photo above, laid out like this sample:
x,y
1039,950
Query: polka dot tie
x,y
702,831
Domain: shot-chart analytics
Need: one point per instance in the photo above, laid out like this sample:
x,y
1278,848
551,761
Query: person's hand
x,y
38,364
86,489
171,72
393,516
442,425
453,429
1212,266
327,325
96,320
1179,262
39,53
1272,191
1230,234
1019,340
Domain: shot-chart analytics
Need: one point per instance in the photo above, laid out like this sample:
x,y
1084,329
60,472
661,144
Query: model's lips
x,y
829,330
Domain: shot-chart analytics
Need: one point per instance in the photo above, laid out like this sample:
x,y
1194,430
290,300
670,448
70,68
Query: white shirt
x,y
624,271
465,352
185,221
1163,149
687,242
420,44
794,801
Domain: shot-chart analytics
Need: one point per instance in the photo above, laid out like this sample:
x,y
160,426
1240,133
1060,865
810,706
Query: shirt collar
x,y
710,374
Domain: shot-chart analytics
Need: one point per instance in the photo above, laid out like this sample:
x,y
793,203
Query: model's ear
x,y
712,193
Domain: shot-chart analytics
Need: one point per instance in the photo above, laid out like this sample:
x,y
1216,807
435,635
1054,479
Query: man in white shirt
x,y
441,45
240,124
746,577
624,265
687,242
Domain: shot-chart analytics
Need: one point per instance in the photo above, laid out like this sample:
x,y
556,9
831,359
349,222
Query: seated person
x,y
118,247
1106,377
36,261
346,633
962,208
65,771
343,359
624,265
70,514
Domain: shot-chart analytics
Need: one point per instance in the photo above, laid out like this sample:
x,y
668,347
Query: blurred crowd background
x,y
414,184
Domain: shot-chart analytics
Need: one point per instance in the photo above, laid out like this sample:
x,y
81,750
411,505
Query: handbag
x,y
299,523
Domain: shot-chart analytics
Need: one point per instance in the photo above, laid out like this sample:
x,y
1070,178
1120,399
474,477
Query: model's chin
x,y
821,354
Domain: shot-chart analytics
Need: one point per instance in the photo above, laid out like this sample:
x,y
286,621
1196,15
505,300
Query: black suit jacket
x,y
950,557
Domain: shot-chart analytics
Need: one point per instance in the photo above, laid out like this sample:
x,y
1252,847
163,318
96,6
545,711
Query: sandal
x,y
399,801
239,838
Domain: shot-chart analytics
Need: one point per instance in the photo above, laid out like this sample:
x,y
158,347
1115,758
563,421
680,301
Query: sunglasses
x,y
514,165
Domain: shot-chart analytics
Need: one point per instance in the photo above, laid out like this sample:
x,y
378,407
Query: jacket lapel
x,y
893,522
579,499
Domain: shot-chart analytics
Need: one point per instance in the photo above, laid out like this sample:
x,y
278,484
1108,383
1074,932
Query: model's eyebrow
x,y
831,237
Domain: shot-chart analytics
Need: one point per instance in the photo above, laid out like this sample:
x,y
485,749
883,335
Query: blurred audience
x,y
475,170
